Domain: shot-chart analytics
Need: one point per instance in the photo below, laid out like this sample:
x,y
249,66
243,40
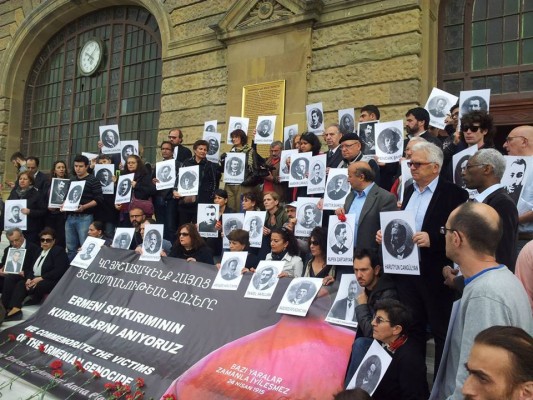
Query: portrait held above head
x,y
474,103
213,146
347,124
438,107
128,150
110,138
315,118
389,140
300,168
265,128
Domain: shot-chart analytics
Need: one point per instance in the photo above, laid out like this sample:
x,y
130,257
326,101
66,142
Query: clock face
x,y
90,57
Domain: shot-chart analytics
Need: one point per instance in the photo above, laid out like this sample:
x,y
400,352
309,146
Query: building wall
x,y
345,53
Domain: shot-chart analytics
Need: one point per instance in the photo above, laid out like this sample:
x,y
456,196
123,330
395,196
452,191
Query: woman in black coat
x,y
190,246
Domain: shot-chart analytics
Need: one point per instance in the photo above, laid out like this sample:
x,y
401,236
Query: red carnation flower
x,y
79,366
96,375
126,388
138,395
342,217
28,334
56,364
11,337
139,382
109,386
117,394
57,373
129,397
42,348
169,397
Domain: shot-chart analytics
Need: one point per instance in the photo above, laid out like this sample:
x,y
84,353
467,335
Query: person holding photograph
x,y
275,218
107,213
215,244
285,248
96,230
317,267
39,279
190,246
15,264
35,209
309,142
239,240
271,182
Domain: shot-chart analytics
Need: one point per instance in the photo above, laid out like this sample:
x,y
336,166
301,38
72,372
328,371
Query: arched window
x,y
488,44
63,108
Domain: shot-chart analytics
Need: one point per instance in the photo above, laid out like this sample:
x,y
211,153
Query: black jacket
x,y
53,267
209,179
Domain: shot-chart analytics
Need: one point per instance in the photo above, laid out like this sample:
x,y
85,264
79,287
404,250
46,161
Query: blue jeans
x,y
76,229
359,348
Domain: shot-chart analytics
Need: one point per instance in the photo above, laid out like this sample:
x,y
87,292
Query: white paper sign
x,y
124,189
128,148
58,192
341,240
438,105
389,141
284,168
189,180
337,188
123,238
89,249
237,123
104,173
213,151
372,369
308,216
211,126
289,132
517,171
400,254
473,100
459,161
230,222
75,192
229,275
14,260
265,129
317,174
152,242
315,118
367,135
264,280
299,296
207,219
253,223
299,175
165,172
347,120
110,138
234,168
342,311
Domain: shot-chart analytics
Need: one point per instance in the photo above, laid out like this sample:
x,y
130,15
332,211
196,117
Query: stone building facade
x,y
344,53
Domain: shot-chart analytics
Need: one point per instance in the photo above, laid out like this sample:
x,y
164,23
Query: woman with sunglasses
x,y
285,248
39,278
190,246
316,267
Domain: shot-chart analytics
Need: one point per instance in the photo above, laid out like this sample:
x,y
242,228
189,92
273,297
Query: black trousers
x,y
15,291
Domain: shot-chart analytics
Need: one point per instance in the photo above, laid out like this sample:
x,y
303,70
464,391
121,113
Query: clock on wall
x,y
90,56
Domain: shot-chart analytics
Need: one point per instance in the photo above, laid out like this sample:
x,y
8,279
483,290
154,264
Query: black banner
x,y
129,319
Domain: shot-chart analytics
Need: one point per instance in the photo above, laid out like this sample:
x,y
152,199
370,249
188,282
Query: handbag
x,y
146,205
256,172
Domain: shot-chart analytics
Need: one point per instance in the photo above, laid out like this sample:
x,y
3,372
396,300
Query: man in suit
x,y
87,255
288,142
341,234
230,272
14,265
300,169
345,308
338,192
317,175
40,179
181,153
15,215
332,137
301,293
431,199
152,242
351,152
439,110
265,280
310,216
366,201
110,138
234,167
208,225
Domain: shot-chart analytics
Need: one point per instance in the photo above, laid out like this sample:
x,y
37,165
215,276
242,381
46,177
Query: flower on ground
x,y
56,364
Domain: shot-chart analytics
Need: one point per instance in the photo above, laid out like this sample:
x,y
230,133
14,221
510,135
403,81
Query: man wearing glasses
x,y
431,199
181,153
520,143
350,145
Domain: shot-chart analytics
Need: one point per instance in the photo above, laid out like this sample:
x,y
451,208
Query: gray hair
x,y
433,153
493,158
11,231
276,143
417,139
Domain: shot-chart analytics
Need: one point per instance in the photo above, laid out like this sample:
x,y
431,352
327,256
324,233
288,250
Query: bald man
x,y
492,294
520,143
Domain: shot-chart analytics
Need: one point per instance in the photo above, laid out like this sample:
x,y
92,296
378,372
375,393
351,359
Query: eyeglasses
x,y
184,234
472,128
314,242
345,146
472,166
443,230
417,165
379,320
47,240
509,138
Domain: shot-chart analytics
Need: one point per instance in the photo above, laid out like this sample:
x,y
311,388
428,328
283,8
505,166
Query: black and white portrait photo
x,y
75,194
289,132
474,100
301,293
14,217
255,228
369,373
389,140
237,123
104,176
165,175
253,223
299,168
230,269
299,296
366,131
229,275
315,119
341,238
264,128
337,188
75,191
210,126
124,187
165,172
232,224
129,148
309,216
87,253
513,178
234,166
347,121
344,306
110,138
458,173
438,107
213,145
208,218
188,180
317,173
14,260
58,192
265,278
398,239
122,241
152,241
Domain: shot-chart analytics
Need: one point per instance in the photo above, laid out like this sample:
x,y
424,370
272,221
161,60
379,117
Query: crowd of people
x,y
482,236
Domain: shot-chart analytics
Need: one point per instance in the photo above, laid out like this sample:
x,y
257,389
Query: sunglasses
x,y
416,165
379,320
46,240
184,234
314,242
472,128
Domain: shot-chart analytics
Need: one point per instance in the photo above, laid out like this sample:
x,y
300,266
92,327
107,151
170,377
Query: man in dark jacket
x,y
367,272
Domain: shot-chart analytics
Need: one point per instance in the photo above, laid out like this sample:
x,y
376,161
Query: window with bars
x,y
486,44
63,109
